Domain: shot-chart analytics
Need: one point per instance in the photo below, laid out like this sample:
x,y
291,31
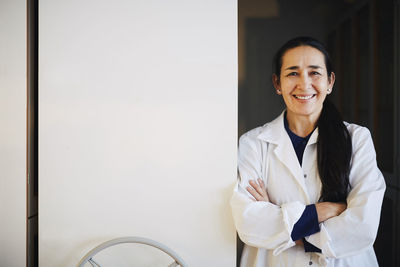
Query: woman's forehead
x,y
303,56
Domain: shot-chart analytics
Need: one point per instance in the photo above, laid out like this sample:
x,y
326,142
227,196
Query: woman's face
x,y
304,82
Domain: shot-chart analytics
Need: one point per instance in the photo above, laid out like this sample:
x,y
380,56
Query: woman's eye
x,y
292,74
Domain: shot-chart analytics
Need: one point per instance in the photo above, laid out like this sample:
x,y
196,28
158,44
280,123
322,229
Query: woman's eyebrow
x,y
292,68
310,67
314,67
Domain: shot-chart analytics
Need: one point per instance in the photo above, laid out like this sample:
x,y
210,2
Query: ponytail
x,y
334,150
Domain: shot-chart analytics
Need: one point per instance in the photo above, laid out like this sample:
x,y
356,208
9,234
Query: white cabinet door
x,y
137,128
13,133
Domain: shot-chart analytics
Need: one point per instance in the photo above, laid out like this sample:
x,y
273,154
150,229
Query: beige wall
x,y
138,123
12,133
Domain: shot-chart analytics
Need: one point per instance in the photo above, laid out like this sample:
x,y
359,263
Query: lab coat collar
x,y
274,132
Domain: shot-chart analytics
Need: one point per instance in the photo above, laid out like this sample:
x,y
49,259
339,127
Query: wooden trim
x,y
32,132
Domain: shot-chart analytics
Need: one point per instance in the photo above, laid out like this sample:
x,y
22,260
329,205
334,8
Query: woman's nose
x,y
304,82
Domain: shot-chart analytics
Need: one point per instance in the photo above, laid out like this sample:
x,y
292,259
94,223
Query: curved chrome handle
x,y
132,239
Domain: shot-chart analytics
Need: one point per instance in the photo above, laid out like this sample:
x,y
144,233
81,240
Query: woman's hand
x,y
299,242
326,210
258,190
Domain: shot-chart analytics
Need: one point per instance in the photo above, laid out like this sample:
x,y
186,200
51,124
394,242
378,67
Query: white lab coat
x,y
265,227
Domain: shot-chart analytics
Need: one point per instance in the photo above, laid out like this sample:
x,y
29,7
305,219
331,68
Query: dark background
x,y
362,37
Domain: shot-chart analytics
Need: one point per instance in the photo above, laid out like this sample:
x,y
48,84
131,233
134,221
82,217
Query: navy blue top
x,y
308,222
299,143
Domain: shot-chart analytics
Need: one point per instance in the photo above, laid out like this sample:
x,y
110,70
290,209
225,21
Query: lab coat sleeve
x,y
259,223
355,229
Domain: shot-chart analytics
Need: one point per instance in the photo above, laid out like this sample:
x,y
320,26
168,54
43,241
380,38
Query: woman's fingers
x,y
257,190
261,182
254,193
258,187
340,207
264,190
262,185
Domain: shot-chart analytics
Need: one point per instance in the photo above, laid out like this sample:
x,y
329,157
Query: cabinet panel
x,y
13,133
137,105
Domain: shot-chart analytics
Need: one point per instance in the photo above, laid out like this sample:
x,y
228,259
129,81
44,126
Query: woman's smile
x,y
304,97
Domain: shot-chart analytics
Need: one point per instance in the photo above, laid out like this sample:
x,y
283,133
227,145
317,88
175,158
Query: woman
x,y
309,190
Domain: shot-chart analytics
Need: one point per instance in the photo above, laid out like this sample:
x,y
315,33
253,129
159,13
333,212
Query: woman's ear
x,y
331,82
277,85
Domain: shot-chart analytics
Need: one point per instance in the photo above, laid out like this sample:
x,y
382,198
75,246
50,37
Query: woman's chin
x,y
306,112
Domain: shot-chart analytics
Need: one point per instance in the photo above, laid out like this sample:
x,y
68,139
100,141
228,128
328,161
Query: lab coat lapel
x,y
275,133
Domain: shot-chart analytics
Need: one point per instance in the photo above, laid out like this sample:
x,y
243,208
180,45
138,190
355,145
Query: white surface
x,y
13,133
138,111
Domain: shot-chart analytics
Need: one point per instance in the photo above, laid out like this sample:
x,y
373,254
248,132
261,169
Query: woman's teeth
x,y
303,97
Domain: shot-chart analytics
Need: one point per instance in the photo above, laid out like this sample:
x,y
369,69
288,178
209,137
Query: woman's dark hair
x,y
334,146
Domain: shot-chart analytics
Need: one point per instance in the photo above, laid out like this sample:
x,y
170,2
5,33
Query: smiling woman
x,y
309,190
303,83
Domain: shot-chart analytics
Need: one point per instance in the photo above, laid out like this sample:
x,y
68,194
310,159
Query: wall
x,y
365,52
13,133
363,38
258,102
137,127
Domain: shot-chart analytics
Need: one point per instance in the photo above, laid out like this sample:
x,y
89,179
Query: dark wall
x,y
363,39
258,102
